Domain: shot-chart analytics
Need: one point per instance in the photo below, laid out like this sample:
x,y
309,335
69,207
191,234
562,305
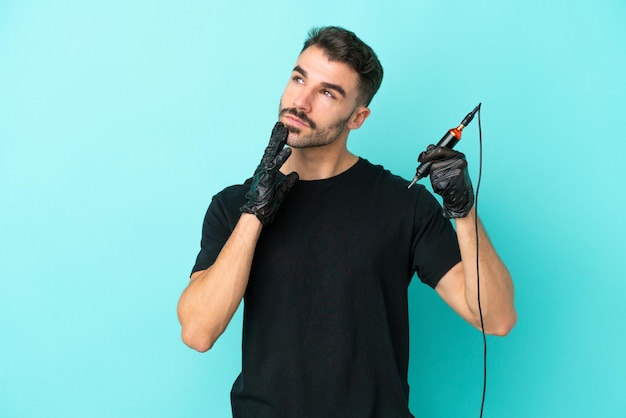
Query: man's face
x,y
319,101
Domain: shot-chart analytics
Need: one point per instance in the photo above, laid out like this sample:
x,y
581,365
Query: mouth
x,y
294,120
297,120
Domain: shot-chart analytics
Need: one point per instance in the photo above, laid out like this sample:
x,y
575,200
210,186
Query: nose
x,y
302,100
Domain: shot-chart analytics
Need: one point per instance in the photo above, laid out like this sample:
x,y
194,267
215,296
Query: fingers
x,y
280,158
277,142
444,171
289,181
279,134
438,153
450,180
425,155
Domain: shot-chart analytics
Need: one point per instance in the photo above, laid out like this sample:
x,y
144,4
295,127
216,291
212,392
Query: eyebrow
x,y
331,86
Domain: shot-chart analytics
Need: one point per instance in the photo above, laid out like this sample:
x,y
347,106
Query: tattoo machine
x,y
449,140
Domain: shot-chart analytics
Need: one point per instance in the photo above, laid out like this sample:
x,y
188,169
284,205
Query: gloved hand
x,y
450,180
269,188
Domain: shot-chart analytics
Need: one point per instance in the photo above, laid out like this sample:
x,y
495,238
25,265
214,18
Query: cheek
x,y
289,95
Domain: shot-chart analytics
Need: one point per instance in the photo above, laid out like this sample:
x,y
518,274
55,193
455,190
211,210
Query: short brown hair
x,y
344,46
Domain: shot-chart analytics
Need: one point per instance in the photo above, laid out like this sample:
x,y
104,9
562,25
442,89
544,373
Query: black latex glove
x,y
450,180
269,187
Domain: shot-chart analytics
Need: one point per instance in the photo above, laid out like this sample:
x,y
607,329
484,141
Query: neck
x,y
318,163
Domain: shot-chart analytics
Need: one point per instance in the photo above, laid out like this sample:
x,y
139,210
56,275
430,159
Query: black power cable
x,y
449,140
480,308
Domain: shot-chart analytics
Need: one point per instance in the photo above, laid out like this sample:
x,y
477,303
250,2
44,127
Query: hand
x,y
450,180
268,190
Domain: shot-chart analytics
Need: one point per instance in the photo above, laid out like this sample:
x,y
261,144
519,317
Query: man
x,y
322,246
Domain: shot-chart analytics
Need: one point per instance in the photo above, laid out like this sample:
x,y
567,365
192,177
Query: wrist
x,y
250,221
467,221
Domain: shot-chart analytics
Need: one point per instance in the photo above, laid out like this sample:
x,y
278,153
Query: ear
x,y
358,117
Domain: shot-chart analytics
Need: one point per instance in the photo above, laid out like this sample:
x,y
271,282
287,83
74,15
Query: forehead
x,y
319,69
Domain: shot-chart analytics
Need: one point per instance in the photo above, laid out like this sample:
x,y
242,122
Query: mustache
x,y
299,115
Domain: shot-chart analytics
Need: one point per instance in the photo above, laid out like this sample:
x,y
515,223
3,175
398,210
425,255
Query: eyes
x,y
298,79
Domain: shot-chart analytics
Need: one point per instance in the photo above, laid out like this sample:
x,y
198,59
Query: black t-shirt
x,y
325,329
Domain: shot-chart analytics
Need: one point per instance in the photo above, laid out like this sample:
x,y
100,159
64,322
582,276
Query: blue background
x,y
120,119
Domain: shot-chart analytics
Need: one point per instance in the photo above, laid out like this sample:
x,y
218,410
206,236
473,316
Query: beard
x,y
318,137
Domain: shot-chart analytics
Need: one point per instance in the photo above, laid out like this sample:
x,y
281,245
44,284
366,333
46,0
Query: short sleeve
x,y
435,245
219,222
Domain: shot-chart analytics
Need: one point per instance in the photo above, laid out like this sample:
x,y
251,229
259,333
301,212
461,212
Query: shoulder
x,y
384,180
236,191
226,203
233,194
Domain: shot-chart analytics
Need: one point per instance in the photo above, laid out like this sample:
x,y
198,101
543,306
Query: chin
x,y
292,129
292,142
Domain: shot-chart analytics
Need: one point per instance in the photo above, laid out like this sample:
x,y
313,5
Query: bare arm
x,y
212,297
459,286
